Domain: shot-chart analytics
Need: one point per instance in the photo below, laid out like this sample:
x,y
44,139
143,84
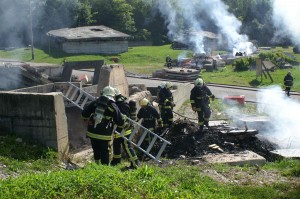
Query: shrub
x,y
243,64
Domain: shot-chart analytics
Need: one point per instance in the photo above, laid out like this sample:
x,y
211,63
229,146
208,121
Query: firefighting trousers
x,y
167,116
101,150
120,143
204,114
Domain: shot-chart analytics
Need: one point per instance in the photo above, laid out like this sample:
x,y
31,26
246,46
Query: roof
x,y
87,33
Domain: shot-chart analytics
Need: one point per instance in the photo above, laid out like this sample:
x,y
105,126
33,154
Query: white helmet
x,y
109,92
117,92
162,85
168,85
144,102
199,82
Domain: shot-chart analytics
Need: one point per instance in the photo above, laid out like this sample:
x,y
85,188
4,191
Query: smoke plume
x,y
286,17
195,15
284,114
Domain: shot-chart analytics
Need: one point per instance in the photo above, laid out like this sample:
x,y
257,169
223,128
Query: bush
x,y
243,64
276,57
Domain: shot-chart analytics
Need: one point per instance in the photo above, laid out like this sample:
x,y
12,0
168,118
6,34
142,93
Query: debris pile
x,y
188,141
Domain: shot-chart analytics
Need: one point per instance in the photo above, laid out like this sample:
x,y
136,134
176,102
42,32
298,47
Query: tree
x,y
85,14
116,14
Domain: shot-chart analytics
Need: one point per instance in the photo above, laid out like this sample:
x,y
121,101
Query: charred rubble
x,y
187,141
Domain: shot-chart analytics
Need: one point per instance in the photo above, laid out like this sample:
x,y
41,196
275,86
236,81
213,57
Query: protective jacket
x,y
102,128
150,116
166,106
200,96
288,80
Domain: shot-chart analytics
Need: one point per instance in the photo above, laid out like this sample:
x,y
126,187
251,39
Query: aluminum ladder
x,y
78,97
155,139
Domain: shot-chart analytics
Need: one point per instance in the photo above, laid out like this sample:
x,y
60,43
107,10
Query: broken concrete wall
x,y
113,75
40,117
181,94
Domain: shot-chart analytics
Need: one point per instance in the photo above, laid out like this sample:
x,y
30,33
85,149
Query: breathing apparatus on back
x,y
102,104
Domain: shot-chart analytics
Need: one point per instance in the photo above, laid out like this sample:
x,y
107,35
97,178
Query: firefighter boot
x,y
115,161
206,124
201,128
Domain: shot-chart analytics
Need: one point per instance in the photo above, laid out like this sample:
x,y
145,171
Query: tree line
x,y
138,18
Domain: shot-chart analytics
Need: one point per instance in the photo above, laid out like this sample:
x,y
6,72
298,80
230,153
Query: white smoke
x,y
185,16
286,17
284,114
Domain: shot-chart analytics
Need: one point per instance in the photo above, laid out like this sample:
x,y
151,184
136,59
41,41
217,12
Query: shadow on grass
x,y
58,53
255,83
23,149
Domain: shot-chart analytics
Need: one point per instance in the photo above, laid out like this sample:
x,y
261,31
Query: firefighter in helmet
x,y
150,118
169,61
166,104
128,109
288,83
102,114
200,102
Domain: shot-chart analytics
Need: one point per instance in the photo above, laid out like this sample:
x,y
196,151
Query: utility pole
x,y
31,32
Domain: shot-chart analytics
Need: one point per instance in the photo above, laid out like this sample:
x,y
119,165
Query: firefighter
x,y
169,61
200,102
166,104
102,114
288,83
159,87
128,109
150,117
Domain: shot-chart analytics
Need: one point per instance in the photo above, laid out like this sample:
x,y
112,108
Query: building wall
x,y
37,116
92,47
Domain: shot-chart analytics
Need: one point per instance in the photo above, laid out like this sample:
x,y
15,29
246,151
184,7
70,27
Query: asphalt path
x,y
220,91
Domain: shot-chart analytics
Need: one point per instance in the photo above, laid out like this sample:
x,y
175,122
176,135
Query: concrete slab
x,y
241,158
287,153
259,123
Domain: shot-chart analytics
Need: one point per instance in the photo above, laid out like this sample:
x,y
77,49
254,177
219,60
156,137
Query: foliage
x,y
288,167
24,156
277,57
243,64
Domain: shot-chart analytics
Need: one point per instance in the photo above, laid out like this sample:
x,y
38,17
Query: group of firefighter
x,y
113,109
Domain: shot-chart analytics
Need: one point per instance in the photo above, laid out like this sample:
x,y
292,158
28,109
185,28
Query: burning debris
x,y
188,141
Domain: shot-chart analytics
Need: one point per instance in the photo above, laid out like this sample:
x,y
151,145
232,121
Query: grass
x,y
93,181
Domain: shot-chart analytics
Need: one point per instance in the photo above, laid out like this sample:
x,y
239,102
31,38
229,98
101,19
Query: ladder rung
x,y
79,97
161,150
69,90
133,132
142,138
74,93
84,102
151,144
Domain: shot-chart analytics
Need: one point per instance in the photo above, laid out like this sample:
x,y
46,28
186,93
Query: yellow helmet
x,y
168,85
144,102
109,92
199,82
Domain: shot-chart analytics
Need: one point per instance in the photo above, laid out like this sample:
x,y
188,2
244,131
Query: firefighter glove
x,y
212,97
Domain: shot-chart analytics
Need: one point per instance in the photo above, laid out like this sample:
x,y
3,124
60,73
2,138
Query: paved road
x,y
219,91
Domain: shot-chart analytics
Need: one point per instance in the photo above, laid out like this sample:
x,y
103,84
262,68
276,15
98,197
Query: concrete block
x,y
287,153
241,158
